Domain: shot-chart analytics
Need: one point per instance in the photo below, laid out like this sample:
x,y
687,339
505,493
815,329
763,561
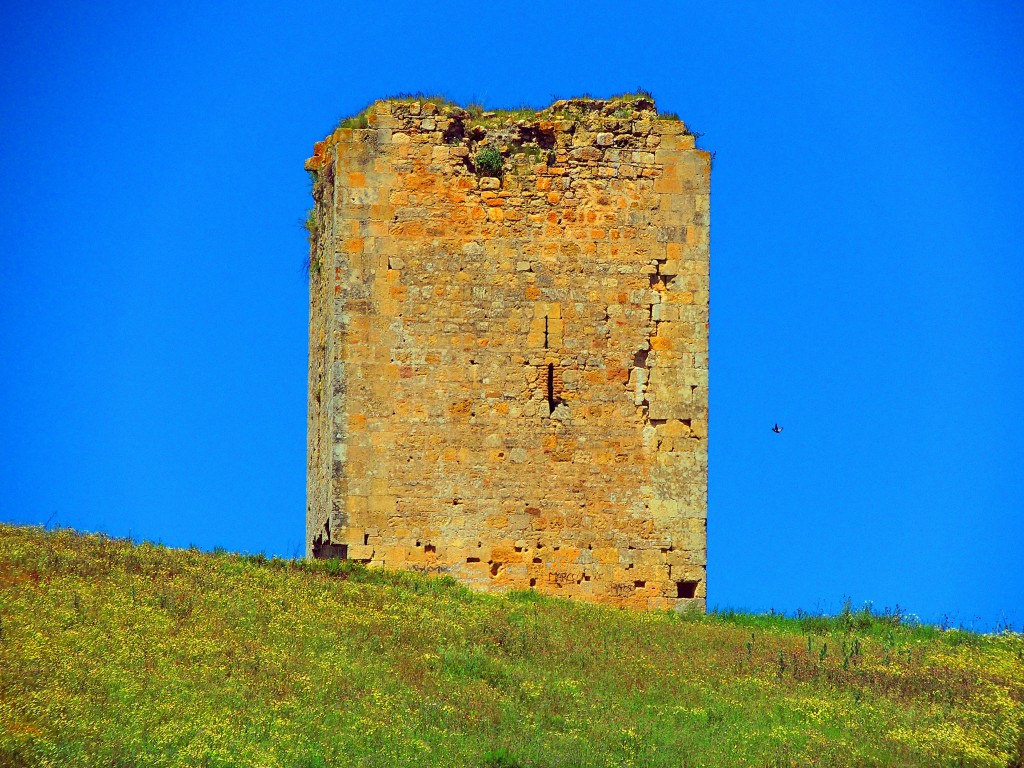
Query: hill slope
x,y
121,655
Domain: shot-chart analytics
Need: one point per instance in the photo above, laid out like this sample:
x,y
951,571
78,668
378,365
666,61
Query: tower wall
x,y
508,371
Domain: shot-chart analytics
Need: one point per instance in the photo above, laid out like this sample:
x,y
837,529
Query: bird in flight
x,y
777,429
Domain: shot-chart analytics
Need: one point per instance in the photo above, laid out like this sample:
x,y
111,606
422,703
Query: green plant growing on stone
x,y
356,121
531,151
488,162
524,157
312,264
636,94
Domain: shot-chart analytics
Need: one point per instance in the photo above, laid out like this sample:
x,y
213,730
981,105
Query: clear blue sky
x,y
867,266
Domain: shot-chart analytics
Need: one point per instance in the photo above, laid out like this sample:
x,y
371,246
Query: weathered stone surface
x,y
508,375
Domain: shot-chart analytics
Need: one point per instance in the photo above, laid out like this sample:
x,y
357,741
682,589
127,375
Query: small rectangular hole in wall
x,y
330,551
537,560
686,588
495,567
533,582
472,559
639,584
430,548
366,539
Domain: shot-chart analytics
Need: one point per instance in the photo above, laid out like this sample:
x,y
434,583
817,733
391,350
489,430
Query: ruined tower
x,y
508,358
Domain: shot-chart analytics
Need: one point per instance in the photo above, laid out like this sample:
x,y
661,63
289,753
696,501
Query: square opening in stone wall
x,y
686,588
323,551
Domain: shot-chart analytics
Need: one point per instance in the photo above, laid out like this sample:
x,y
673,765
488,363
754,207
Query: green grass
x,y
113,654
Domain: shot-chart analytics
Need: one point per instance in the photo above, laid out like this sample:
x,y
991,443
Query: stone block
x,y
360,552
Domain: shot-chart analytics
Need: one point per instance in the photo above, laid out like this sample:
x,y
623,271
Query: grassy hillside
x,y
119,655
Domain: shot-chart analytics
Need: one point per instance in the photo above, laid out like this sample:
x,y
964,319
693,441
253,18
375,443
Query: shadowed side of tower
x,y
509,348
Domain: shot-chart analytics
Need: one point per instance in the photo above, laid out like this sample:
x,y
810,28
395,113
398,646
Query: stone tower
x,y
508,350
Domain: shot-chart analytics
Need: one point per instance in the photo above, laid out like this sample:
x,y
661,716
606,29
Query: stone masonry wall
x,y
508,373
